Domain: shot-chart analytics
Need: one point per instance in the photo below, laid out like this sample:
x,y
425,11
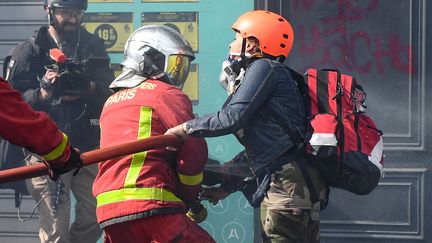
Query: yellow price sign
x,y
172,1
110,1
184,22
113,28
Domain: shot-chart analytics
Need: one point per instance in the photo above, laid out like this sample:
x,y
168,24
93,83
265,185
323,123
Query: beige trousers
x,y
55,226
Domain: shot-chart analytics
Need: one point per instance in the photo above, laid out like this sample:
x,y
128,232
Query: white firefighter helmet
x,y
155,52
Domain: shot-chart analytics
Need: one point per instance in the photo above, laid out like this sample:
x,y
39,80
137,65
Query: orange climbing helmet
x,y
274,32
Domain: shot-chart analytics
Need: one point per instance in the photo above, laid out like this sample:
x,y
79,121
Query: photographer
x,y
73,97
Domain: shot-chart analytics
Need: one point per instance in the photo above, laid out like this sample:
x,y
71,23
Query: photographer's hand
x,y
46,90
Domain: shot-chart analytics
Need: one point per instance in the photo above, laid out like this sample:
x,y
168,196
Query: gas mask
x,y
232,74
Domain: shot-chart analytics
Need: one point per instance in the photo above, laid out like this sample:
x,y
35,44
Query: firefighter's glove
x,y
197,213
61,166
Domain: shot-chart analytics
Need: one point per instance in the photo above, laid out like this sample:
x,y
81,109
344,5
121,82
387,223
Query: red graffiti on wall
x,y
306,4
333,42
344,7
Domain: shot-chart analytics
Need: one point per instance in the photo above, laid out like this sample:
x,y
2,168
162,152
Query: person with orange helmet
x,y
264,98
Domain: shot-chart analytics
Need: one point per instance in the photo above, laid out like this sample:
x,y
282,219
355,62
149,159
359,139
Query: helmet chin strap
x,y
244,60
243,49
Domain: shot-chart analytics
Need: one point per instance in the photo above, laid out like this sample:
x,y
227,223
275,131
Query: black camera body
x,y
74,75
71,80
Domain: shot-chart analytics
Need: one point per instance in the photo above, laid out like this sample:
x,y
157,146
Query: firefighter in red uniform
x,y
144,197
24,127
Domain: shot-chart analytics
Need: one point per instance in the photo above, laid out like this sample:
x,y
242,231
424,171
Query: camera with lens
x,y
74,75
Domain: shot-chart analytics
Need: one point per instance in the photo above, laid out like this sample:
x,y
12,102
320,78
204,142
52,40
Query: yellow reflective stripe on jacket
x,y
190,180
126,194
57,151
144,131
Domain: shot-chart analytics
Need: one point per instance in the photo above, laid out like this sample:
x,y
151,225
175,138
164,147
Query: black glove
x,y
197,212
45,84
74,162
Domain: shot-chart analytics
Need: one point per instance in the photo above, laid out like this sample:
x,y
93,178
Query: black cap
x,y
74,4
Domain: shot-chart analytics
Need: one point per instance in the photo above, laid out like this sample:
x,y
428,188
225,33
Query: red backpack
x,y
343,142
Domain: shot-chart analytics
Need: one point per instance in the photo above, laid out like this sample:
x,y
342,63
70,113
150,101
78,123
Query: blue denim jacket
x,y
267,97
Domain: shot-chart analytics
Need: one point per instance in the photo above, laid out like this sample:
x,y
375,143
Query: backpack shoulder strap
x,y
6,67
297,138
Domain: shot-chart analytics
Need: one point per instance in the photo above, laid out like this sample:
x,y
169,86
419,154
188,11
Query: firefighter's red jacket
x,y
24,127
146,183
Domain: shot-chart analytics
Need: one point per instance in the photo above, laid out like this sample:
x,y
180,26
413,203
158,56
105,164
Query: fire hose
x,y
94,156
197,213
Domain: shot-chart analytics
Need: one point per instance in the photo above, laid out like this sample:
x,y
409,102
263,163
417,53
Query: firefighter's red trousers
x,y
157,229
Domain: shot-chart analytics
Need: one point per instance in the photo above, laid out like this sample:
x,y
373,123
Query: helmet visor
x,y
178,69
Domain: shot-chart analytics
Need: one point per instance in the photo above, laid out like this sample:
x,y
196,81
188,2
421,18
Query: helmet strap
x,y
243,49
244,60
